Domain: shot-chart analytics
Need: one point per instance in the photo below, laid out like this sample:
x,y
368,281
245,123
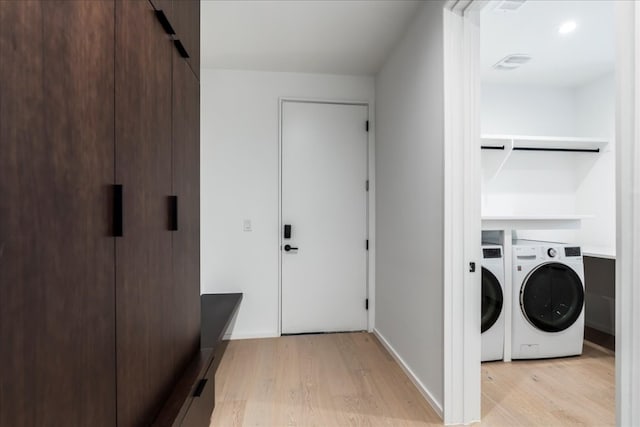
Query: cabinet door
x,y
145,354
186,22
186,185
56,255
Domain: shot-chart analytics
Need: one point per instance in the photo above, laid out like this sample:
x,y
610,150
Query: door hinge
x,y
366,185
367,244
366,125
472,267
366,304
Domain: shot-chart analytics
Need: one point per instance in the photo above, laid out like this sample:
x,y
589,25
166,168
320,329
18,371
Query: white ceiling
x,y
557,60
330,36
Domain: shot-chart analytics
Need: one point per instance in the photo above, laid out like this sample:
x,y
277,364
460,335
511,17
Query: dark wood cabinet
x,y
57,311
186,21
143,291
192,401
183,17
202,400
186,187
95,330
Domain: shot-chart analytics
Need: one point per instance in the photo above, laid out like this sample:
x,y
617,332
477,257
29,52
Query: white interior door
x,y
324,200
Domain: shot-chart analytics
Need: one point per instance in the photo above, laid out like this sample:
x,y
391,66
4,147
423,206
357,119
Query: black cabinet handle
x,y
199,388
118,226
164,21
181,50
173,213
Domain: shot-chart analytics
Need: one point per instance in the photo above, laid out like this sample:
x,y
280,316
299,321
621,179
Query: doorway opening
x,y
550,179
548,199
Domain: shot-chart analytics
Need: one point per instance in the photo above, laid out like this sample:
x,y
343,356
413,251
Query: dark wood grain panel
x,y
186,185
145,352
186,22
56,255
176,407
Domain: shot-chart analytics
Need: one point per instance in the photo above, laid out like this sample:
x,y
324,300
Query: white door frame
x,y
462,228
370,220
627,213
462,387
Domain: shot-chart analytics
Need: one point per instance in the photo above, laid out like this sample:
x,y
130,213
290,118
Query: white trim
x,y
628,214
371,218
280,102
462,233
249,335
370,285
424,391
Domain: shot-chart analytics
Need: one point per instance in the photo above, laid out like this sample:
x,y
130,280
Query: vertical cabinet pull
x,y
173,213
181,49
164,21
118,220
199,388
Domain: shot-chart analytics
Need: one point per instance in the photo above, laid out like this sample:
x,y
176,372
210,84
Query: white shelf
x,y
532,222
498,149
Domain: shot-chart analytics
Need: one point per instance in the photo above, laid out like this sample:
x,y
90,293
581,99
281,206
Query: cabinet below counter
x,y
600,300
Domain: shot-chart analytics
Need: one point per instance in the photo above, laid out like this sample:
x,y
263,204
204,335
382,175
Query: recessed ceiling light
x,y
511,62
509,5
567,27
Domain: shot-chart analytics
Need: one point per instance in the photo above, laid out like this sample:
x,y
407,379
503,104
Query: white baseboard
x,y
250,335
414,379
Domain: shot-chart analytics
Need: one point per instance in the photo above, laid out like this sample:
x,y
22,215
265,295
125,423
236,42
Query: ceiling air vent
x,y
511,62
509,5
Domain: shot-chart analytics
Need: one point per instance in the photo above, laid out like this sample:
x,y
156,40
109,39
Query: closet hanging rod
x,y
570,150
489,147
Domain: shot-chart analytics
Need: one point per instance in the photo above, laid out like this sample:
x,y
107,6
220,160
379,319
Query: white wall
x,y
546,185
595,108
239,180
523,110
410,201
554,183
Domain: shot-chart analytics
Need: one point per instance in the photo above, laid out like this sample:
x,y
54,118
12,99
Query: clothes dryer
x,y
548,300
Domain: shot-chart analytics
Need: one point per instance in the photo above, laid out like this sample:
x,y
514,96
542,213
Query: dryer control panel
x,y
488,253
572,251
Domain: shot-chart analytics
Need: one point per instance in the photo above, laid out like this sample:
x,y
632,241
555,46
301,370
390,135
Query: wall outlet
x,y
246,225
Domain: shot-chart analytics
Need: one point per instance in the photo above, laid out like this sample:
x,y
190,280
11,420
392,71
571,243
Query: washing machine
x,y
548,300
492,303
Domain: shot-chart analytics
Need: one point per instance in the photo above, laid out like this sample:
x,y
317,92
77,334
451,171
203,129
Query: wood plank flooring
x,y
350,379
555,392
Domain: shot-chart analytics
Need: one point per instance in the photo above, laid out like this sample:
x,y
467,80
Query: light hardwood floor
x,y
350,379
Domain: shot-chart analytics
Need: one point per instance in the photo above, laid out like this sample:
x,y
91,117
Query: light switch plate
x,y
246,225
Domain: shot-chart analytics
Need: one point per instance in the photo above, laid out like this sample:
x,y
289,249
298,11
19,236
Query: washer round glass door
x,y
552,297
492,299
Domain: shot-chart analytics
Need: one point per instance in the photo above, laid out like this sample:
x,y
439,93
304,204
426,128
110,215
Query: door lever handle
x,y
288,248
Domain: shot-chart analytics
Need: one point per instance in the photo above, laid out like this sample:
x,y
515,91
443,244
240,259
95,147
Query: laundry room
x,y
548,204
